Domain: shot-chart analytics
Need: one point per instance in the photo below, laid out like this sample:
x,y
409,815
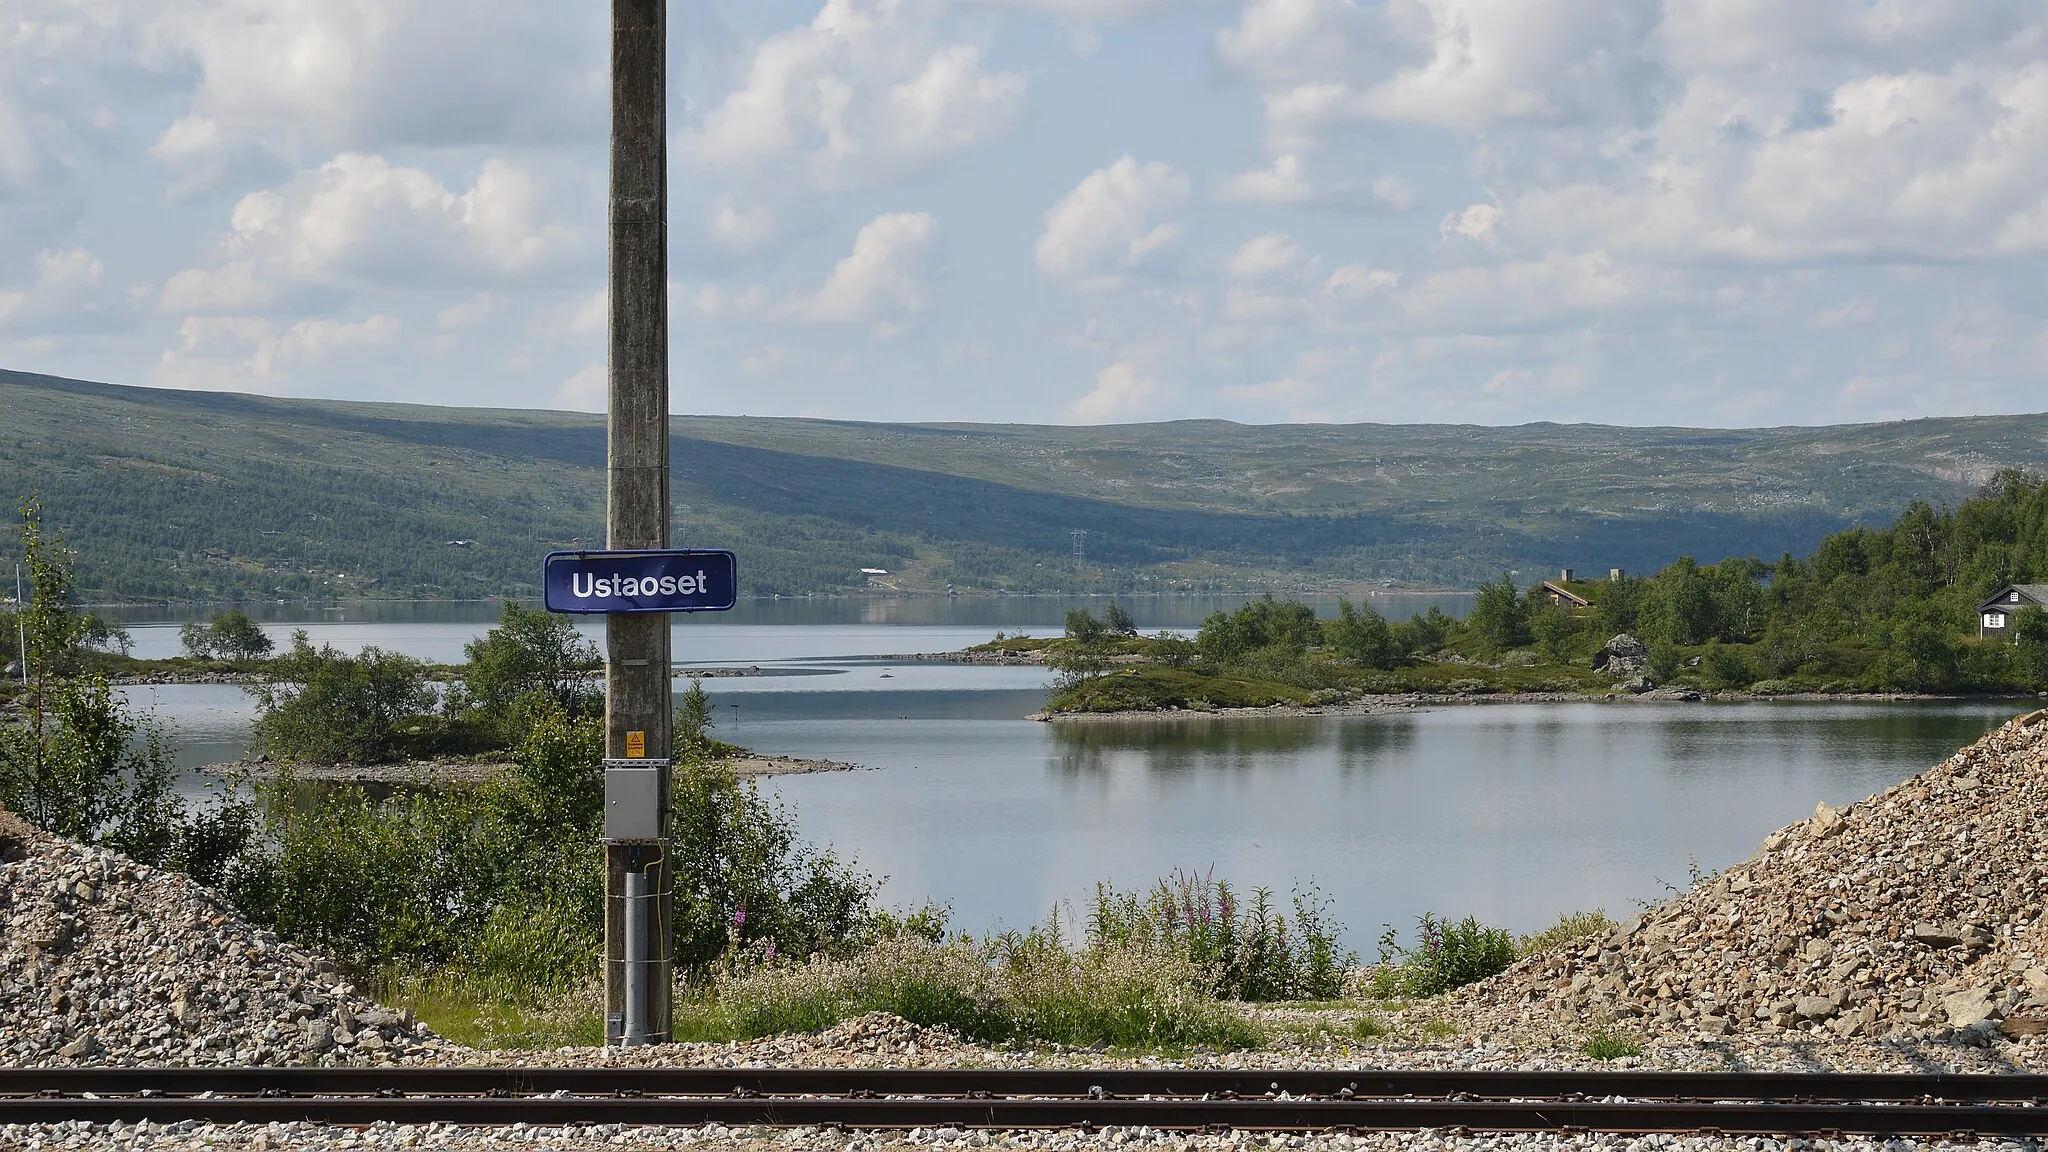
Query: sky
x,y
1710,212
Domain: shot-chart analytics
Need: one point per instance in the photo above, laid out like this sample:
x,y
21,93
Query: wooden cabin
x,y
1995,615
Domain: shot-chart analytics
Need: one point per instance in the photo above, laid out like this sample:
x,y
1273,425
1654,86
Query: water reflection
x,y
1169,748
1511,812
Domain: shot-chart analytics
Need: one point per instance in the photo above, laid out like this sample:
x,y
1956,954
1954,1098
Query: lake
x,y
1514,813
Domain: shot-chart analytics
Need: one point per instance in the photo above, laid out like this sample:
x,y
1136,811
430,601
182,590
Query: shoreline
x,y
1424,701
751,766
875,593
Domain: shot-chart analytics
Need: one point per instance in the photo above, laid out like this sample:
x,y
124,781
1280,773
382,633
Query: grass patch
x,y
1007,990
1369,1026
1437,1028
1610,1046
1571,928
476,1013
1432,677
1154,688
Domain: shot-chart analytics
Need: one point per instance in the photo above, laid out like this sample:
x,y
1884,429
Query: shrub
x,y
501,885
1556,630
1226,639
743,875
693,715
1083,628
1172,650
1499,618
327,707
1727,667
1449,955
230,635
1077,662
1359,635
1665,661
373,881
1251,951
530,651
75,762
1425,632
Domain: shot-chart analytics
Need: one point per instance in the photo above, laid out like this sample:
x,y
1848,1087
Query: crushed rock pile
x,y
106,961
1916,914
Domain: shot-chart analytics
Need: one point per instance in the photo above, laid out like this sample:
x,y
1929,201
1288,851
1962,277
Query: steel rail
x,y
1734,1103
1062,1112
1820,1087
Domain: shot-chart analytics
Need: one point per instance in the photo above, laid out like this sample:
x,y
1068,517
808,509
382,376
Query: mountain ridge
x,y
200,495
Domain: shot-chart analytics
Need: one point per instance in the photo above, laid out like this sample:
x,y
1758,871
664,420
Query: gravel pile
x,y
1914,915
108,962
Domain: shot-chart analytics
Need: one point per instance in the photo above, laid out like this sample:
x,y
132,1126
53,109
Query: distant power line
x,y
1080,539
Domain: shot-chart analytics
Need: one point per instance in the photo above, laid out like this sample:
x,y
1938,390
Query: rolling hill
x,y
171,495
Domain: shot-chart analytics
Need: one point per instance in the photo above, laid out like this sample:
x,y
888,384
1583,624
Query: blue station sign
x,y
609,583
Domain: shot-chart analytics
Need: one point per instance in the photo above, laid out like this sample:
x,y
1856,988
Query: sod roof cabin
x,y
1566,592
1995,614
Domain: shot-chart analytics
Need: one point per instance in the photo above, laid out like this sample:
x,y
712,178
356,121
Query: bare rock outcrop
x,y
1917,913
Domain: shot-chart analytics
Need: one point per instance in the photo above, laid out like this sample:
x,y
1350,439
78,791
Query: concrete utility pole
x,y
639,900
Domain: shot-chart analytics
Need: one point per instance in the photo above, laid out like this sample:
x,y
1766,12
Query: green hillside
x,y
184,495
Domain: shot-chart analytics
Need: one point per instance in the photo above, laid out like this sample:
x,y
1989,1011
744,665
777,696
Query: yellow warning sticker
x,y
636,745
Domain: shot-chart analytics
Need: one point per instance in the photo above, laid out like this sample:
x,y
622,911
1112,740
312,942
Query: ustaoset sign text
x,y
677,580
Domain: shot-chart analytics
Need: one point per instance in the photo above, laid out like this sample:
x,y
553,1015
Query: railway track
x,y
1629,1102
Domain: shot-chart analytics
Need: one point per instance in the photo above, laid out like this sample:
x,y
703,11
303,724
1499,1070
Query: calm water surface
x,y
1513,813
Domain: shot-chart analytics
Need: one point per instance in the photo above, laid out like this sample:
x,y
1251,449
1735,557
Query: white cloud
x,y
886,276
1916,166
1121,393
1286,182
1557,288
1548,61
1706,34
1476,222
1090,10
375,74
66,295
1264,256
226,352
1464,65
589,390
1111,222
362,220
744,224
865,93
469,312
1357,280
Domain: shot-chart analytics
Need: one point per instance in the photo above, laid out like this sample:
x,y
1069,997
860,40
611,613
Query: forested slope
x,y
184,495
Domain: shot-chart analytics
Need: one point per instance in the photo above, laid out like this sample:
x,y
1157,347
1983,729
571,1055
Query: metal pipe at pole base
x,y
639,958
